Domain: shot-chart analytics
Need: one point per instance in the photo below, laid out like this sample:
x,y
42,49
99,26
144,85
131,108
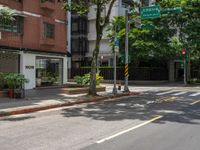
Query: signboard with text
x,y
150,12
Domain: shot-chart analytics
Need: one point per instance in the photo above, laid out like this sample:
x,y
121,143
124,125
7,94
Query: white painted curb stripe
x,y
128,130
195,94
164,93
180,93
195,102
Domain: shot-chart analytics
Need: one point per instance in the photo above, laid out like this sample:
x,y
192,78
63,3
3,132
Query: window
x,y
12,26
49,71
49,30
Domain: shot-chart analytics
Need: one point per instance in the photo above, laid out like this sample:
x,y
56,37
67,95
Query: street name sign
x,y
147,26
174,10
150,12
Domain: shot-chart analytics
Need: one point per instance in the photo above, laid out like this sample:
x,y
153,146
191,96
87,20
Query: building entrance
x,y
48,71
9,62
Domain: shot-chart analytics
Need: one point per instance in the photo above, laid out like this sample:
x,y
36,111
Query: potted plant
x,y
20,80
10,81
15,84
2,85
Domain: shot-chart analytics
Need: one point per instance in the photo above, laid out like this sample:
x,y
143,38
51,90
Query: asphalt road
x,y
156,120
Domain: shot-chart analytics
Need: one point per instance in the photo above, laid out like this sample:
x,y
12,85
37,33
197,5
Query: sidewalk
x,y
43,99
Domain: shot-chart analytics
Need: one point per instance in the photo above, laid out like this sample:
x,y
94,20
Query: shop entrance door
x,y
49,71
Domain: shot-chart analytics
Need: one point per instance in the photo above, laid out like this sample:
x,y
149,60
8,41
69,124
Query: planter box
x,y
3,94
81,90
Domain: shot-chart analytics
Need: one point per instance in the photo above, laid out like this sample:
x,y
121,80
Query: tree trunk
x,y
92,89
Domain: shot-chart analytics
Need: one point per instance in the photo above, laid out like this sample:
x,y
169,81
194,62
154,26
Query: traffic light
x,y
183,51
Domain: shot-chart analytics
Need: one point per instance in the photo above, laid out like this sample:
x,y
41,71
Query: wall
x,y
32,37
26,62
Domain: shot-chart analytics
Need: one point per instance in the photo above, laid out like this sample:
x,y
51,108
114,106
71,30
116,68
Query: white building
x,y
106,54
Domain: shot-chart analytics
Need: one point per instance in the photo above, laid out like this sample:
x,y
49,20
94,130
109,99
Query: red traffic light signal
x,y
183,51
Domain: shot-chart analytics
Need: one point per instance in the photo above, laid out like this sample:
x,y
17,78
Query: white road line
x,y
195,102
128,130
180,93
164,93
195,94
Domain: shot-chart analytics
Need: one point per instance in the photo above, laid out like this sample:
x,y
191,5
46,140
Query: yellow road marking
x,y
166,99
195,102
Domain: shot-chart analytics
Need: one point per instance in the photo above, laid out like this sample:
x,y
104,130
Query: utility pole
x,y
126,89
185,53
116,49
115,70
69,60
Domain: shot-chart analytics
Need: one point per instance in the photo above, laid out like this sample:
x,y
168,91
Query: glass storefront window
x,y
48,71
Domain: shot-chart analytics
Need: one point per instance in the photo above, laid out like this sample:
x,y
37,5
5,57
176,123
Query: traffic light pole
x,y
185,66
185,72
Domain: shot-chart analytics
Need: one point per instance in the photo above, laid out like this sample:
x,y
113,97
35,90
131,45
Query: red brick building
x,y
34,44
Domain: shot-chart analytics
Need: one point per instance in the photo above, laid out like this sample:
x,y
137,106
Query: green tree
x,y
103,11
144,44
172,32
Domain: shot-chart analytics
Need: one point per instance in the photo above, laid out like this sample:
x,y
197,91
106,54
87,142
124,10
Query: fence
x,y
154,74
195,74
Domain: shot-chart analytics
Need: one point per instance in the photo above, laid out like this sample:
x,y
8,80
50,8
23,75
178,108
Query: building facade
x,y
83,35
34,44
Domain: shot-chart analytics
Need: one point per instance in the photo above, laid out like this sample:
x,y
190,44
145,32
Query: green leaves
x,y
6,14
80,7
85,80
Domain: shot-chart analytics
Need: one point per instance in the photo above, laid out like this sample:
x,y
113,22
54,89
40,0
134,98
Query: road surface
x,y
158,119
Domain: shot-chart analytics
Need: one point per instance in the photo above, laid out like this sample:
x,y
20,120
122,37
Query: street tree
x,y
172,32
144,44
103,10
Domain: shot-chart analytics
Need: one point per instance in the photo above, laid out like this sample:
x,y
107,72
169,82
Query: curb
x,y
40,108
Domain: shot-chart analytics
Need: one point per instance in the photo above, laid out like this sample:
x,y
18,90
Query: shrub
x,y
85,80
2,80
14,80
193,81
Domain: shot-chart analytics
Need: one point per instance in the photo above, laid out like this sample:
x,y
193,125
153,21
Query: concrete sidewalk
x,y
43,99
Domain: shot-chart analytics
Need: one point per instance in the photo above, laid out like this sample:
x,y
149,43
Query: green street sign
x,y
150,12
174,10
147,26
122,58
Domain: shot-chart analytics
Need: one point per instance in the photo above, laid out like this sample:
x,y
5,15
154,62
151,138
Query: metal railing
x,y
140,73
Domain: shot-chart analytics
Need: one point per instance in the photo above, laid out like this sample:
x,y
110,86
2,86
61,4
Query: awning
x,y
19,13
4,10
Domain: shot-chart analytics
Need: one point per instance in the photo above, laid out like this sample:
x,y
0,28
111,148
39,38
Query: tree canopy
x,y
172,32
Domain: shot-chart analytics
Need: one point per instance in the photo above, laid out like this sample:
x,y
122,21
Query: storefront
x,y
43,69
49,71
40,68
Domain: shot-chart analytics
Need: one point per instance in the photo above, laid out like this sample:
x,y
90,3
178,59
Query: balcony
x,y
47,4
11,39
